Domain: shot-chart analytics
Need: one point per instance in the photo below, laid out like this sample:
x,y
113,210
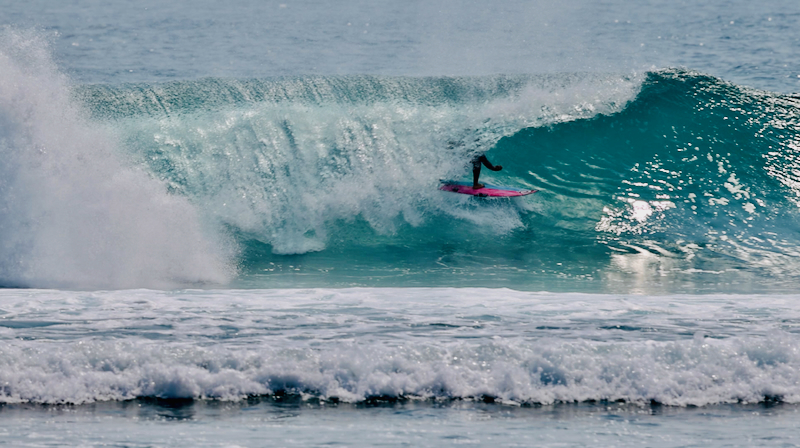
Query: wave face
x,y
73,213
672,177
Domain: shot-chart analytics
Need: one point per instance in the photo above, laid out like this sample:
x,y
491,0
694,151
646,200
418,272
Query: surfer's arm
x,y
489,165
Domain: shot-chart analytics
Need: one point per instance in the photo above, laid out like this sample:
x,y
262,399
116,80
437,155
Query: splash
x,y
72,213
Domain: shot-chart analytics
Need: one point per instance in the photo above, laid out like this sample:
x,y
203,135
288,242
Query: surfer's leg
x,y
476,173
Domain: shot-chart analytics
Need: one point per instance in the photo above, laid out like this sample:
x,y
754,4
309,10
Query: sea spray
x,y
72,213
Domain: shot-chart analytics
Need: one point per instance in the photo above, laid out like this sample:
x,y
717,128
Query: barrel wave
x,y
670,179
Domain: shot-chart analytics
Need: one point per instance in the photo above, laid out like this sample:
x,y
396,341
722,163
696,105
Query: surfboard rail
x,y
488,191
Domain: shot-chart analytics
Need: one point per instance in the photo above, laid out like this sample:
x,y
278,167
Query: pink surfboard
x,y
488,191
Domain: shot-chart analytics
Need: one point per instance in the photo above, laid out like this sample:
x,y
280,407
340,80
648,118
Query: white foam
x,y
73,214
544,371
429,343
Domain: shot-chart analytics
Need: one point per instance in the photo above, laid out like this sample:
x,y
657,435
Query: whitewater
x,y
222,226
359,344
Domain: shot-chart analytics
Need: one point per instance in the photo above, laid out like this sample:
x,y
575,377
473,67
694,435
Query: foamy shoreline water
x,y
355,345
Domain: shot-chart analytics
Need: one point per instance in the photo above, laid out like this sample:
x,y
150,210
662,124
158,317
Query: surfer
x,y
476,169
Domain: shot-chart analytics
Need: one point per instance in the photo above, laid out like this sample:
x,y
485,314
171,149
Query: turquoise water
x,y
223,222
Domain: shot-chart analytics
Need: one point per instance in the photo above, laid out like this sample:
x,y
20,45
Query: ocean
x,y
220,225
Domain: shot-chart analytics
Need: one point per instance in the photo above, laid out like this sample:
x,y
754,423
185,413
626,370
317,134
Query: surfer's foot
x,y
477,186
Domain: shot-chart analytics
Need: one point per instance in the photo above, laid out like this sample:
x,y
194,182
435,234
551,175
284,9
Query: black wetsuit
x,y
476,165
